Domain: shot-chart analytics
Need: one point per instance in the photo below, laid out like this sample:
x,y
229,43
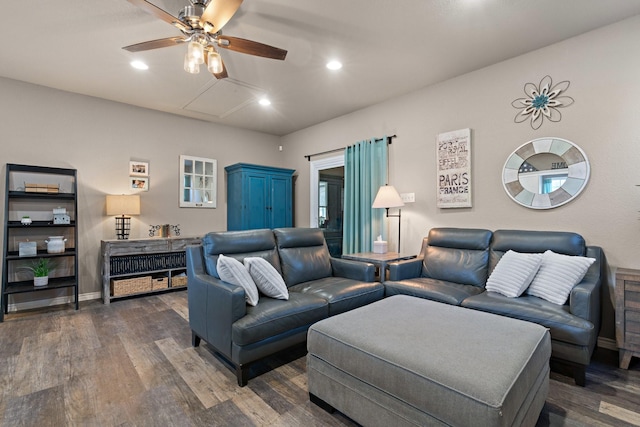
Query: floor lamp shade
x,y
388,197
123,205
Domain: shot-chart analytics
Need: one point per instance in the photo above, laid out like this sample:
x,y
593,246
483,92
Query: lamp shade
x,y
123,204
387,197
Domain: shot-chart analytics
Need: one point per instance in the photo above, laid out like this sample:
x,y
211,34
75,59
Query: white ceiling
x,y
388,48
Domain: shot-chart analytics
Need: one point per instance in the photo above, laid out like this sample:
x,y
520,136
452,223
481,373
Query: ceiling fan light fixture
x,y
214,62
264,101
190,66
195,52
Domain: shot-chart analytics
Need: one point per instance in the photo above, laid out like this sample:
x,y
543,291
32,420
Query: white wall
x,y
43,126
603,67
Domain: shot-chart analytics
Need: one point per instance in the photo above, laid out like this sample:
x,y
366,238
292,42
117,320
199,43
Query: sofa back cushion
x,y
459,255
304,255
525,241
239,245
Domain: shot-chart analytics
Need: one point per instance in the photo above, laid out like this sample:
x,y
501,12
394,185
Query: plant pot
x,y
41,281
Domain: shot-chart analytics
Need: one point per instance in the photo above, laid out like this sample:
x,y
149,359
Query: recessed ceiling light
x,y
334,65
139,65
264,102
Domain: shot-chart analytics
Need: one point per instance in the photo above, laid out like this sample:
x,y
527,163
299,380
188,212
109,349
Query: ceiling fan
x,y
201,23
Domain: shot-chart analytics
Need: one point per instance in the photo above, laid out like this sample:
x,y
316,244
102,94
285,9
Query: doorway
x,y
327,200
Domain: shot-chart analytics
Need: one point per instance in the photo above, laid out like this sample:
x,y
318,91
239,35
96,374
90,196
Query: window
x,y
322,204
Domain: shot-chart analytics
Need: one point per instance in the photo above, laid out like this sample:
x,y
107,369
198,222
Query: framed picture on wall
x,y
453,157
139,183
138,168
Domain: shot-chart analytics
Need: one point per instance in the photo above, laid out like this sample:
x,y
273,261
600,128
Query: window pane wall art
x,y
198,182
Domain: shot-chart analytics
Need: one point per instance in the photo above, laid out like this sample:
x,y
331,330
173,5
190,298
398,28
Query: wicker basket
x,y
177,281
159,283
121,287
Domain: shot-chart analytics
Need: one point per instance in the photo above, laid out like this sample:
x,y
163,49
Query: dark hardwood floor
x,y
131,364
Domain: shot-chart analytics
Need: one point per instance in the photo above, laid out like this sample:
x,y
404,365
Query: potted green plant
x,y
40,271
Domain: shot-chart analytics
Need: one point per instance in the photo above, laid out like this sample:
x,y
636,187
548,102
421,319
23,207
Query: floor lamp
x,y
388,197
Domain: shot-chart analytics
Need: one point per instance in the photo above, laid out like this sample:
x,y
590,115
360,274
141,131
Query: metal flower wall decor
x,y
542,102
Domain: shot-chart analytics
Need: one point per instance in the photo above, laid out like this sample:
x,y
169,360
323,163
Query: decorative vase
x,y
41,281
55,244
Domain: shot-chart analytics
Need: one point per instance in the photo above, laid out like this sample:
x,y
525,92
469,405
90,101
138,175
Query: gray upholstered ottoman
x,y
410,361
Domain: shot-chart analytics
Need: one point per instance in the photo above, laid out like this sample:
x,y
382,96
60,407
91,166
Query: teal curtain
x,y
365,169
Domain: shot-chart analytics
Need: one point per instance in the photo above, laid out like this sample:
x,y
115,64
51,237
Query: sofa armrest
x,y
213,304
584,300
356,270
406,269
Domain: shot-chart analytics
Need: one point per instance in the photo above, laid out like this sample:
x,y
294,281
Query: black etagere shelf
x,y
39,204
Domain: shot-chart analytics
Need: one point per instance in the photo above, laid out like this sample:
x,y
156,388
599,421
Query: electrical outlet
x,y
408,197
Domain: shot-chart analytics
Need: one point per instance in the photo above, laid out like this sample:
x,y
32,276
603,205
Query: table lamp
x,y
388,197
123,205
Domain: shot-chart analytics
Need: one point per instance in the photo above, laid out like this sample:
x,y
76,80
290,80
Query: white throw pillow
x,y
232,271
266,277
513,273
558,274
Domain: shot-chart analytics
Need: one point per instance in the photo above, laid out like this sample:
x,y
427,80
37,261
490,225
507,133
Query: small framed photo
x,y
138,168
139,183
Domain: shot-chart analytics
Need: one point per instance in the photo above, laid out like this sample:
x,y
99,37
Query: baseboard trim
x,y
608,343
49,302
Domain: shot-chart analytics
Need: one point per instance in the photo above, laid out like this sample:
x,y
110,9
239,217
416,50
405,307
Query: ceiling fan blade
x,y
155,44
160,14
217,14
250,47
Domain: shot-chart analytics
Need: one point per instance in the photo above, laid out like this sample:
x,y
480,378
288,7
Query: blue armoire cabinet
x,y
258,197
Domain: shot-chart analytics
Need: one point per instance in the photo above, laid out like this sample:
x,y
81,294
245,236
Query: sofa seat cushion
x,y
341,293
275,316
563,325
432,289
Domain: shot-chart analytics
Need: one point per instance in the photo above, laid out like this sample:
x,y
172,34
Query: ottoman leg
x,y
321,403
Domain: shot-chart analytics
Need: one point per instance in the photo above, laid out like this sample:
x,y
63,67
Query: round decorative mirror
x,y
545,173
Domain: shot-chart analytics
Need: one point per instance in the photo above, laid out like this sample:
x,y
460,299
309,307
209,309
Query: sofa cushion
x,y
558,274
514,273
304,255
233,271
273,317
266,277
458,255
563,325
433,289
238,245
341,293
527,241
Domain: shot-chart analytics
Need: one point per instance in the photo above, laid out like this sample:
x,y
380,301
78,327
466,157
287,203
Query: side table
x,y
379,260
627,315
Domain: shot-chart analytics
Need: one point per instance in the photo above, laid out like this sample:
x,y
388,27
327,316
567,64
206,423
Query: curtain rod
x,y
309,156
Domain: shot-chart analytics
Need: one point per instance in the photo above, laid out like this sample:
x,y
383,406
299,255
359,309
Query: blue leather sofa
x,y
453,267
319,286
